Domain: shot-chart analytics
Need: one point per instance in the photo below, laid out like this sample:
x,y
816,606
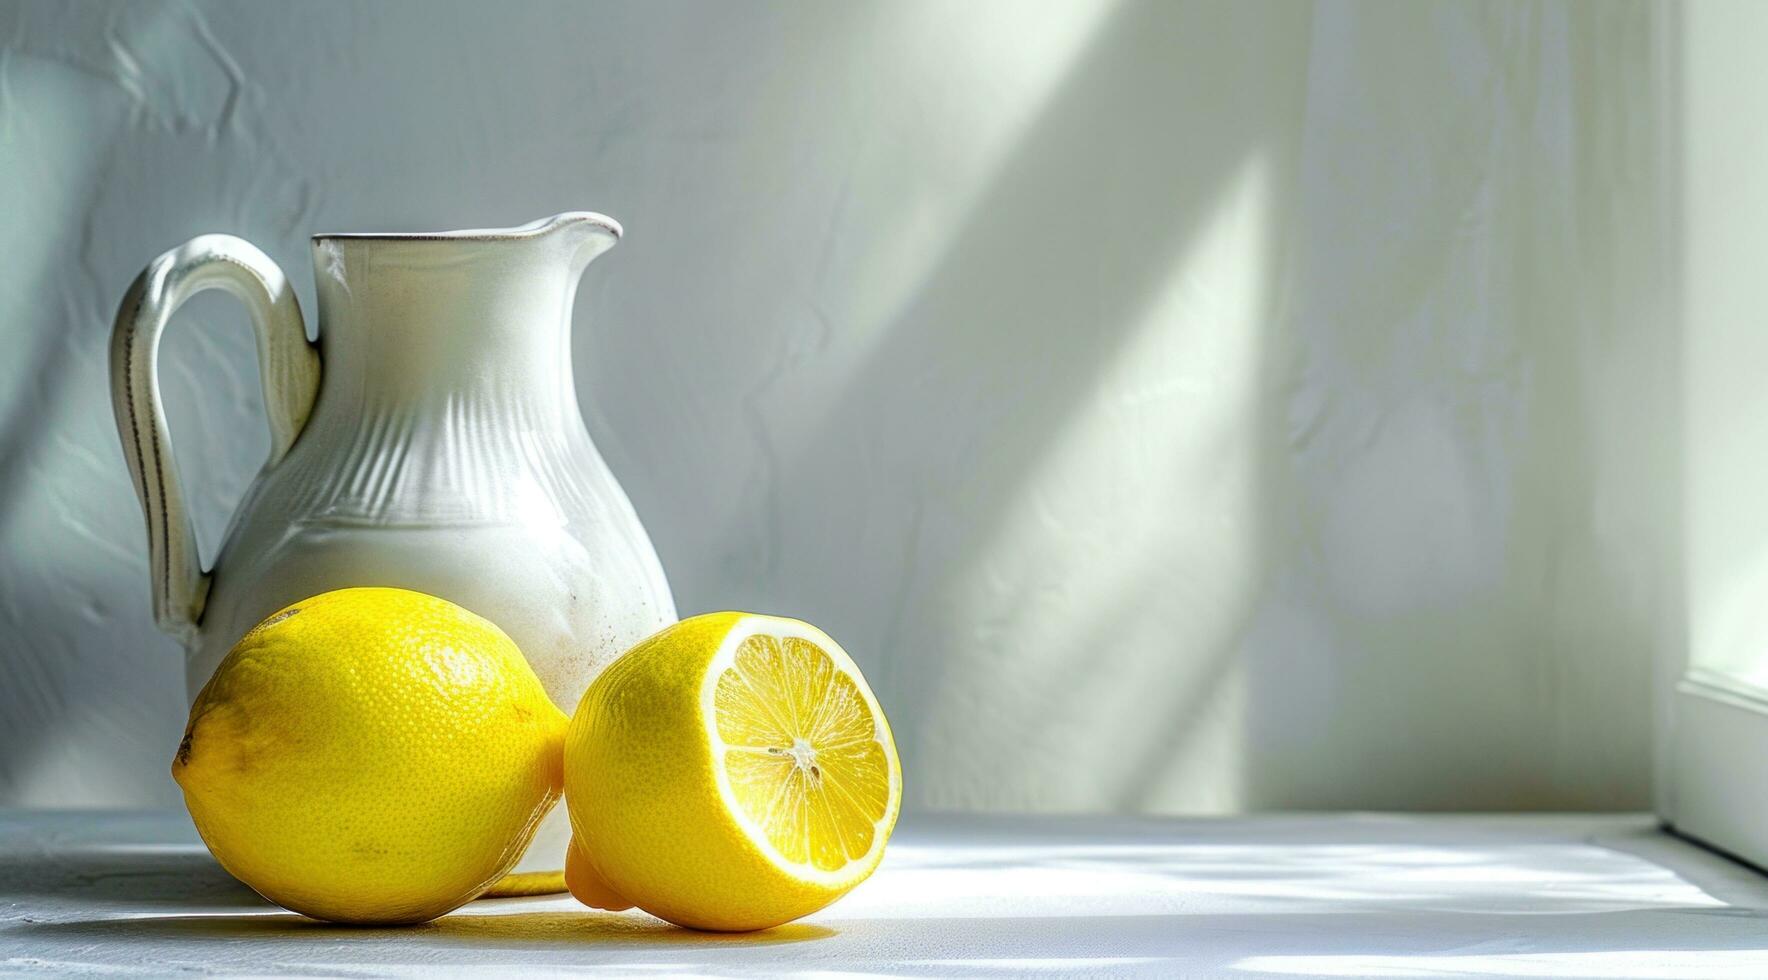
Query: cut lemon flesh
x,y
799,744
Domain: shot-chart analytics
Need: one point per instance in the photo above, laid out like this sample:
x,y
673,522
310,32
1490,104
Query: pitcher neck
x,y
394,330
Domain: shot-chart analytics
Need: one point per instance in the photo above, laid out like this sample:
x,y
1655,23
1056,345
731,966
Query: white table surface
x,y
1342,895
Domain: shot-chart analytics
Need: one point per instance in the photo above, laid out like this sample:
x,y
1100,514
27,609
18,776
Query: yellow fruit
x,y
732,772
371,755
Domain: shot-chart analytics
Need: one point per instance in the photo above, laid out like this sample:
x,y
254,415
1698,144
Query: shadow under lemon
x,y
549,927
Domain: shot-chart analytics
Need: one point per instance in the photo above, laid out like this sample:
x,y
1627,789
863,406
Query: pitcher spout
x,y
581,235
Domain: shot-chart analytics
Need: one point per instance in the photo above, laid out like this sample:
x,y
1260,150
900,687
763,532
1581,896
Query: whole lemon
x,y
371,756
731,772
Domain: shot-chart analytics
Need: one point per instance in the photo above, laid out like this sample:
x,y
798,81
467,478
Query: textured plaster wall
x,y
1173,406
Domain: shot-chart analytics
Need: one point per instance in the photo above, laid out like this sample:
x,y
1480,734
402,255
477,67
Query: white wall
x,y
1724,276
1172,406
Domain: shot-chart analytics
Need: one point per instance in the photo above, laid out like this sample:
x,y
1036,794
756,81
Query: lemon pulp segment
x,y
801,752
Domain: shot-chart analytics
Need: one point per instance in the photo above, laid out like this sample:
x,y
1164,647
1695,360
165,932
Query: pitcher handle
x,y
289,368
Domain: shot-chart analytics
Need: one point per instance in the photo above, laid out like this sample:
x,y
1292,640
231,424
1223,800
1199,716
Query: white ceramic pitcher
x,y
430,441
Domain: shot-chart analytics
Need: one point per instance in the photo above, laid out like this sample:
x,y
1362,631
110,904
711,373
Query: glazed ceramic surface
x,y
430,441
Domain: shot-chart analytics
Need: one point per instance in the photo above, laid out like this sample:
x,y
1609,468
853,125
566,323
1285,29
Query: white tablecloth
x,y
1342,895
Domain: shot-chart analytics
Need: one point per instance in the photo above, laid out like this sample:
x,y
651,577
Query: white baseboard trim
x,y
1719,765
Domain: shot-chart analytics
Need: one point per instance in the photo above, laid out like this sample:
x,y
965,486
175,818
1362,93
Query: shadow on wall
x,y
76,637
1241,448
1478,446
1066,421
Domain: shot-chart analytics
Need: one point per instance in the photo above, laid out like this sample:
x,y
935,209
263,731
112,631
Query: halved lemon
x,y
732,772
